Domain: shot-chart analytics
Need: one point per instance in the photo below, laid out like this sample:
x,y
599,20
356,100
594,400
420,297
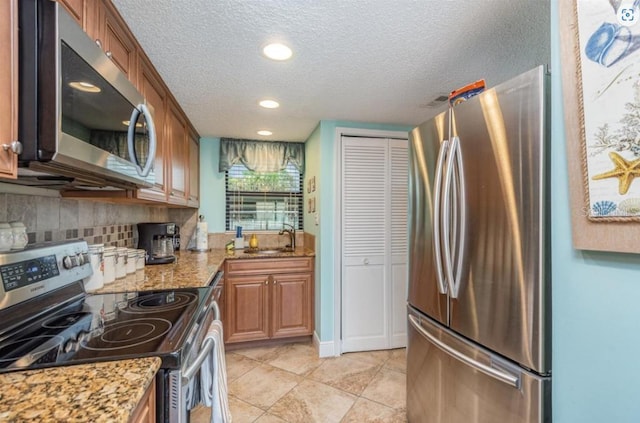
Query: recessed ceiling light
x,y
277,51
87,87
265,133
269,104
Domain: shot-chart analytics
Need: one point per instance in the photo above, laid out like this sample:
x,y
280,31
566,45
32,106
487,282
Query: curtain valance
x,y
260,156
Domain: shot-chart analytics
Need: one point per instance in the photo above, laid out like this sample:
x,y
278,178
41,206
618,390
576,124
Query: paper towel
x,y
202,233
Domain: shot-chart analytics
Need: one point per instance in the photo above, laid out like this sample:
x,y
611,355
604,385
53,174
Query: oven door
x,y
183,389
80,115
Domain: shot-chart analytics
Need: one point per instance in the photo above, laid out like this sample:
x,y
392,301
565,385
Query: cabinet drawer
x,y
257,266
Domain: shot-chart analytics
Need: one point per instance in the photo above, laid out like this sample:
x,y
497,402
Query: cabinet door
x,y
177,140
194,169
76,9
117,41
145,412
155,95
8,87
247,308
292,308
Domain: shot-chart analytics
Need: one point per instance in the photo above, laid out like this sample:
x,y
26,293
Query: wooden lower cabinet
x,y
145,412
268,299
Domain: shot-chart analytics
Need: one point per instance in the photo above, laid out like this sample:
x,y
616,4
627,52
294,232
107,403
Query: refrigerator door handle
x,y
445,223
502,376
462,210
437,199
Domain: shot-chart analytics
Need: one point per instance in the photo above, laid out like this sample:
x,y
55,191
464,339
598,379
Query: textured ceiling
x,y
376,61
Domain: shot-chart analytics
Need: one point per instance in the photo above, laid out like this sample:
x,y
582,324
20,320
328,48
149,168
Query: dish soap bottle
x,y
253,241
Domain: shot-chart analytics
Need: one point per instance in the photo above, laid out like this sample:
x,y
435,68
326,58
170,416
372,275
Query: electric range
x,y
47,319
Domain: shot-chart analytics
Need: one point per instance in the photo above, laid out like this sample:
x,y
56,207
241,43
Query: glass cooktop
x,y
106,327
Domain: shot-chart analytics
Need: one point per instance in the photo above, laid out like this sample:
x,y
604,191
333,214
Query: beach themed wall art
x,y
600,58
610,58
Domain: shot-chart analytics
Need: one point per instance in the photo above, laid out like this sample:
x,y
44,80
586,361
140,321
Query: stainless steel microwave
x,y
81,122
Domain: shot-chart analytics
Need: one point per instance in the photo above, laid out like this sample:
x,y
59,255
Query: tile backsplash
x,y
59,219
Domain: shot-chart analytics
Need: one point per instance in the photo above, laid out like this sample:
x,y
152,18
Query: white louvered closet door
x,y
368,291
399,185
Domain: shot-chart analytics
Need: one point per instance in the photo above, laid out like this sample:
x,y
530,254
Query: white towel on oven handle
x,y
213,377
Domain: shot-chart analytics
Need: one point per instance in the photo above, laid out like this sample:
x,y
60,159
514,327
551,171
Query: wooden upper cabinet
x,y
194,169
77,10
116,40
178,155
154,93
9,89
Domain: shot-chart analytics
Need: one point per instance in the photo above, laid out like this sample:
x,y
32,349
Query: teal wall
x,y
325,241
212,203
596,296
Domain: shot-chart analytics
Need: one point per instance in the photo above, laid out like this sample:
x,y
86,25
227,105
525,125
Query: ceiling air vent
x,y
435,102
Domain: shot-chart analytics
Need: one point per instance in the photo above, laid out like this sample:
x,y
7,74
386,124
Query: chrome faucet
x,y
292,235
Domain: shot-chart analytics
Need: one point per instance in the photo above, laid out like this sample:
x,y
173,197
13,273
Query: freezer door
x,y
450,380
503,298
427,151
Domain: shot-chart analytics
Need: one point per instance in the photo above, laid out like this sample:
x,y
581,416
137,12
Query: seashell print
x,y
604,208
630,206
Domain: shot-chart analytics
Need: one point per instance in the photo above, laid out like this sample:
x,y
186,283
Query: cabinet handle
x,y
266,282
365,261
14,146
275,281
109,54
99,43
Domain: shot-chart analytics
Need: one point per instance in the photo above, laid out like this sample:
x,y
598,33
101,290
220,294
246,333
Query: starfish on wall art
x,y
624,170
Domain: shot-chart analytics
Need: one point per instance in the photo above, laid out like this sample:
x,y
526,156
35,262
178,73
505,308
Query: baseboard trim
x,y
325,349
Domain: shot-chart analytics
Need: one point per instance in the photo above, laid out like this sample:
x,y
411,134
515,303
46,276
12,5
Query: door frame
x,y
337,227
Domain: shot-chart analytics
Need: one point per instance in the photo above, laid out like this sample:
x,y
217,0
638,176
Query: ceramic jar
x,y
20,238
109,264
121,262
6,237
96,258
140,259
132,258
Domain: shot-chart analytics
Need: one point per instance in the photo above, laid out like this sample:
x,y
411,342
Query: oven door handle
x,y
207,346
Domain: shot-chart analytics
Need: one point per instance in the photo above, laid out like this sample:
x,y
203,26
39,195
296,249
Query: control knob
x,y
75,260
69,262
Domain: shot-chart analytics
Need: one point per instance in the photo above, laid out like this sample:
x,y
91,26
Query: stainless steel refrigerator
x,y
479,345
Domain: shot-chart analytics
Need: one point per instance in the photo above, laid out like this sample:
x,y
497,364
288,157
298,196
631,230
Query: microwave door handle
x,y
131,139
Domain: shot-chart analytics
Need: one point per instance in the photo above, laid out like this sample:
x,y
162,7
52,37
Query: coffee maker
x,y
157,239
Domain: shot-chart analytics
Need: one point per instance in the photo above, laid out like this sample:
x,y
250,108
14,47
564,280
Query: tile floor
x,y
290,384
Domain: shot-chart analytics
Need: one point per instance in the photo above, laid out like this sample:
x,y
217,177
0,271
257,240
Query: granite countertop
x,y
97,392
191,269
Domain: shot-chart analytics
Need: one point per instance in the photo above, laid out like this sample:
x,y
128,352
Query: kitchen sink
x,y
269,250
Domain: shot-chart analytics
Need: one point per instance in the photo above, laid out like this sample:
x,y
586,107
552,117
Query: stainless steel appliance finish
x,y
46,320
101,135
478,266
181,382
452,380
40,270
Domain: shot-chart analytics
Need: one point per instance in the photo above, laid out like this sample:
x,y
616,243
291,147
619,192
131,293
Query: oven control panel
x,y
17,275
39,269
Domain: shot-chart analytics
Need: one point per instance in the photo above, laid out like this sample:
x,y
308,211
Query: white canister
x,y
6,237
96,258
140,259
132,258
19,233
109,256
121,262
